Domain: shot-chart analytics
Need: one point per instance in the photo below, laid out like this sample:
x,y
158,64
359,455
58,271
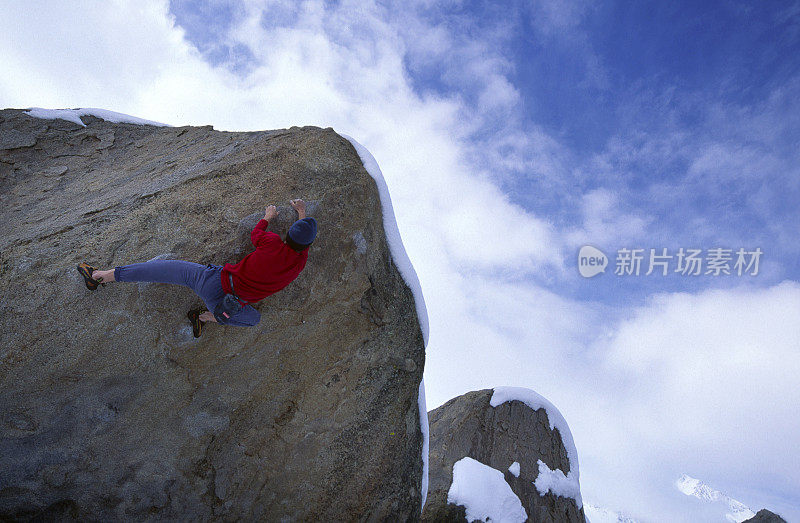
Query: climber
x,y
228,291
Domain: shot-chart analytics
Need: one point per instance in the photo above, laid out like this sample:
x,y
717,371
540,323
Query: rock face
x,y
468,426
110,409
765,516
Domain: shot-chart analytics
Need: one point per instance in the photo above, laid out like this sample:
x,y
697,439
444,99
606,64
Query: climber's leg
x,y
178,272
204,280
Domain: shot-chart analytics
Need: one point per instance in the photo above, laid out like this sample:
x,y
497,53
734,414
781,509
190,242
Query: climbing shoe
x,y
86,271
197,325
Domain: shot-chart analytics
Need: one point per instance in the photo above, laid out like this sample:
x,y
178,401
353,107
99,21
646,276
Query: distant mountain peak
x,y
690,486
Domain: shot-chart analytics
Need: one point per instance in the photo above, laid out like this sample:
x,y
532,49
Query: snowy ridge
x,y
696,488
484,493
403,264
74,116
536,401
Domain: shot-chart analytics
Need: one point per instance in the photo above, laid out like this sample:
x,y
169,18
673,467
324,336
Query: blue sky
x,y
648,90
510,134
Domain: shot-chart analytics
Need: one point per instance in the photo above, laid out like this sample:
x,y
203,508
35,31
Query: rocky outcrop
x,y
765,516
110,409
469,426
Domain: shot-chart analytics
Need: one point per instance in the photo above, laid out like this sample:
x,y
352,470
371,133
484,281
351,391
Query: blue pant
x,y
204,280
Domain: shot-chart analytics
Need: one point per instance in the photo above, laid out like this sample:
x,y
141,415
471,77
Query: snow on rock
x,y
74,116
536,401
399,255
484,493
423,416
403,264
555,481
511,432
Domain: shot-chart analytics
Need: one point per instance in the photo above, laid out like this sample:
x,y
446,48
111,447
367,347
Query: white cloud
x,y
703,384
68,52
717,357
606,223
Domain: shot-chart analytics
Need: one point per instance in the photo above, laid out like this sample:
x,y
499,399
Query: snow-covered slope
x,y
597,514
737,511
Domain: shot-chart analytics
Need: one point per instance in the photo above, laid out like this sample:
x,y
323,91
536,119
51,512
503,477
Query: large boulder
x,y
513,431
110,409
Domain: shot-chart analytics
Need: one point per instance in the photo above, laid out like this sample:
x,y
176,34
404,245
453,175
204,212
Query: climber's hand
x,y
271,213
299,206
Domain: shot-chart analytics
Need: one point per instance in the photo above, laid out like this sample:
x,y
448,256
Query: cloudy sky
x,y
510,135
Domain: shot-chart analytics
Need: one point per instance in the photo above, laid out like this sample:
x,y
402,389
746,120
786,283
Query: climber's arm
x,y
259,235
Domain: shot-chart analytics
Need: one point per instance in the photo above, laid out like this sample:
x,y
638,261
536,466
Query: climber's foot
x,y
197,323
88,272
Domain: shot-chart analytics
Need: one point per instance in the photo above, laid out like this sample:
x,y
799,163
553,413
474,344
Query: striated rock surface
x,y
110,409
468,426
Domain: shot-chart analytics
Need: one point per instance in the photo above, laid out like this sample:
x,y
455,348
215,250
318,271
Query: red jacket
x,y
268,269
